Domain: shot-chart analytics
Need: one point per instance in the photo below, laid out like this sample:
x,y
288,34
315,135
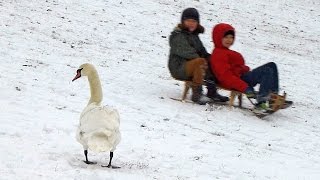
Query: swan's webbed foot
x,y
90,162
109,165
87,161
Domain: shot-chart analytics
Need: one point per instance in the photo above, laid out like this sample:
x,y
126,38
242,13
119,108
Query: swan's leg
x,y
109,165
86,161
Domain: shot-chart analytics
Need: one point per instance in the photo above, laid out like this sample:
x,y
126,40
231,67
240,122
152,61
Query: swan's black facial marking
x,y
78,74
79,70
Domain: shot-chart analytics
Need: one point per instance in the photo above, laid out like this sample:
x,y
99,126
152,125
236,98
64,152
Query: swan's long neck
x,y
95,88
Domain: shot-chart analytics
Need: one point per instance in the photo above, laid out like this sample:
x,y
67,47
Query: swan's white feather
x,y
99,128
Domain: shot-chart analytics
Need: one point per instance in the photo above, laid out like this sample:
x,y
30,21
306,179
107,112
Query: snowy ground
x,y
43,42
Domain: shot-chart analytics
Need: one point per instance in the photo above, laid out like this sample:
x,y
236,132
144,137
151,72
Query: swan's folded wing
x,y
96,117
112,115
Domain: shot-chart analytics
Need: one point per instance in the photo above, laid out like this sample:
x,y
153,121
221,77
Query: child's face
x,y
191,24
227,41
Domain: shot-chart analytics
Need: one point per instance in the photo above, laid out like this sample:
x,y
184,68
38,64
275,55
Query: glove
x,y
250,92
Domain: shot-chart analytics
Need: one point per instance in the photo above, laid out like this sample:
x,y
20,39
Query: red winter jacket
x,y
226,64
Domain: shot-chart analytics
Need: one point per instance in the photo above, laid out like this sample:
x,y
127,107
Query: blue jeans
x,y
265,75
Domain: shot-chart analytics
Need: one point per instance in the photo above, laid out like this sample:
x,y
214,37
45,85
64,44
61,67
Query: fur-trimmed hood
x,y
180,27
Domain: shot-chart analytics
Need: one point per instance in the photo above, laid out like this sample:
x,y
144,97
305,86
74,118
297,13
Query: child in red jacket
x,y
232,73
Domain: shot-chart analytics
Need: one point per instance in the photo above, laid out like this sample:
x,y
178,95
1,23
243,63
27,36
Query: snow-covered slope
x,y
43,42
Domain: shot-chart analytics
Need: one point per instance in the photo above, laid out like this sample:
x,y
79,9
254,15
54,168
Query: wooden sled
x,y
276,101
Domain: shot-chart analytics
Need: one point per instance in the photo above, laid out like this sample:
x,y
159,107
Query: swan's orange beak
x,y
78,75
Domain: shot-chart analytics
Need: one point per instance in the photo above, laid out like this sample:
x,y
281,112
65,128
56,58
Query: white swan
x,y
99,125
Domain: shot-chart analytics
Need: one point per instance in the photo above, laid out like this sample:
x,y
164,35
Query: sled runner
x,y
276,101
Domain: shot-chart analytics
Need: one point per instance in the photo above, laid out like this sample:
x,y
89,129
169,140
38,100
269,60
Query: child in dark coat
x,y
188,57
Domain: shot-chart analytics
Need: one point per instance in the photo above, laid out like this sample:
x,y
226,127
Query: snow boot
x,y
216,97
213,93
198,97
262,108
